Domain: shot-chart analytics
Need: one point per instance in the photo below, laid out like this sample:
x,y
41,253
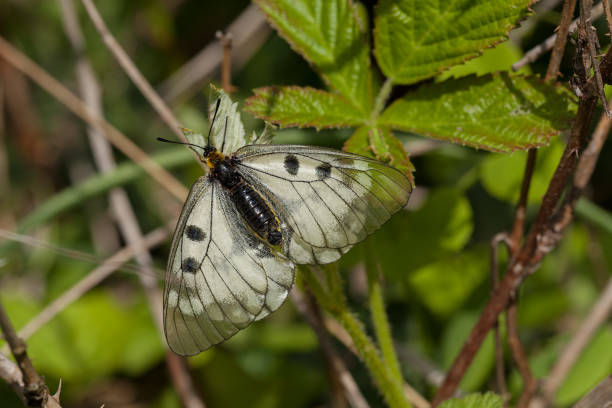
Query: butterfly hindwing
x,y
329,200
220,277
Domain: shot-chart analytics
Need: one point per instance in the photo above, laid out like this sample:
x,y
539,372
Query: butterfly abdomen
x,y
249,203
256,212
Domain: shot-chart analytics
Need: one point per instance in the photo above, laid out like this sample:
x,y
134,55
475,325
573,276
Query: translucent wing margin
x,y
329,200
220,277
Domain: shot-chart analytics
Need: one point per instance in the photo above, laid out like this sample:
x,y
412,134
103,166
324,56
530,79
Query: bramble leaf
x,y
303,107
415,40
495,112
380,144
333,36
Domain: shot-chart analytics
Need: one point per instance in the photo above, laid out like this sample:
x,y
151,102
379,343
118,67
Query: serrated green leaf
x,y
444,285
495,112
499,58
227,131
380,144
415,40
488,400
291,106
333,36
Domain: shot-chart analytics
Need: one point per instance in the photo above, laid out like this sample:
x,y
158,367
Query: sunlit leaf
x,y
293,106
495,112
381,144
415,40
333,36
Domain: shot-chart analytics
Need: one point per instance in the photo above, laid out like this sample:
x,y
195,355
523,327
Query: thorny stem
x,y
332,300
542,238
379,315
35,390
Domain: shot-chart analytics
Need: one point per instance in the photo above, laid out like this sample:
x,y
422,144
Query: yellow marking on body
x,y
213,158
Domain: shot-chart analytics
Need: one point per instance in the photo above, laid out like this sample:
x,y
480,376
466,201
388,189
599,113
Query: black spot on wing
x,y
292,165
323,171
190,265
195,233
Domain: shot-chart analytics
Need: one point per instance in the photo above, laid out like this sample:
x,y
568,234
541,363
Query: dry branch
x,y
76,105
543,236
34,390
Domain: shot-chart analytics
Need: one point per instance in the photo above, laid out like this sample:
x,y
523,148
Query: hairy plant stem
x,y
379,315
331,299
381,100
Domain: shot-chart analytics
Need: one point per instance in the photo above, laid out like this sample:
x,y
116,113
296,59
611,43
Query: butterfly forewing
x,y
329,200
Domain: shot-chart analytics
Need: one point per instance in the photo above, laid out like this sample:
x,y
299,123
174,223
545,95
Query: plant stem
x,y
381,100
332,300
387,384
379,315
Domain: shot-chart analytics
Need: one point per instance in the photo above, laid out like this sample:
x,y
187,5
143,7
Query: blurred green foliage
x,y
434,258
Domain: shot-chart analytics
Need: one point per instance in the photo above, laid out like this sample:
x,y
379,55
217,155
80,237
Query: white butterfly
x,y
260,210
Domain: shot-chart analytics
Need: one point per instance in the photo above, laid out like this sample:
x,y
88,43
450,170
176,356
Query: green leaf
x,y
457,331
594,364
380,144
333,36
494,112
502,175
227,131
444,285
100,334
488,400
415,40
499,58
291,106
443,226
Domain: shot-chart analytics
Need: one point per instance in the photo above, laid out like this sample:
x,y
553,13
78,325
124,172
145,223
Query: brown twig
x,y
249,30
518,353
132,71
539,50
542,238
560,39
518,227
120,204
499,348
35,390
603,306
63,95
182,381
226,64
308,309
585,22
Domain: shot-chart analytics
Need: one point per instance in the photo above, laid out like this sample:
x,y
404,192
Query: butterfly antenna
x,y
213,121
161,139
224,134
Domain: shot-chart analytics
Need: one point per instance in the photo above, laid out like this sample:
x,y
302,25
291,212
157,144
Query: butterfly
x,y
259,211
